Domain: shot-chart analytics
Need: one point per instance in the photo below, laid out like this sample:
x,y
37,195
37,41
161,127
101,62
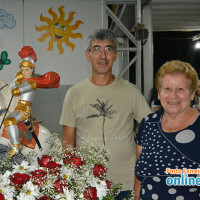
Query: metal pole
x,y
127,67
148,53
139,57
121,26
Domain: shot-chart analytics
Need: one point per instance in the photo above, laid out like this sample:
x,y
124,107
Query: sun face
x,y
59,30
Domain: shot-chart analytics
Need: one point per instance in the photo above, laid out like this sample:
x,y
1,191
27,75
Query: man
x,y
102,110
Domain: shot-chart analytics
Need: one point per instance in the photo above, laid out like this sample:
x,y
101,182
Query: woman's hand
x,y
136,189
137,185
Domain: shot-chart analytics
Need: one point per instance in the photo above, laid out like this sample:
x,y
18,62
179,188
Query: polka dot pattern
x,y
180,198
172,191
162,150
185,136
193,189
154,196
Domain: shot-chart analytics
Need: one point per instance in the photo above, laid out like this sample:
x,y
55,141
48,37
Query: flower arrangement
x,y
60,174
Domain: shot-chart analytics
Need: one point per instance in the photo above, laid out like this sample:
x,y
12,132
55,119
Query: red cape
x,y
48,80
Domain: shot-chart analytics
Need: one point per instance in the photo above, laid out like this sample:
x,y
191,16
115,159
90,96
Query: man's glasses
x,y
98,50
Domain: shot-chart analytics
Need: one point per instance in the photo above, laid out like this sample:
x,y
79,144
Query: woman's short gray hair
x,y
179,67
102,34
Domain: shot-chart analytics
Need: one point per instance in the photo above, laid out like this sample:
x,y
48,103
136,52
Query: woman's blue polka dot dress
x,y
161,150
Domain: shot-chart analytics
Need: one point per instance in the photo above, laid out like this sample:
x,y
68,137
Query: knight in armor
x,y
24,84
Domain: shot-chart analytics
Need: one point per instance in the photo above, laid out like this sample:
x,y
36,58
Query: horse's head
x,y
5,97
2,97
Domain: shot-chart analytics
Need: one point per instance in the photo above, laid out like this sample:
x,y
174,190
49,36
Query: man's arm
x,y
69,136
137,185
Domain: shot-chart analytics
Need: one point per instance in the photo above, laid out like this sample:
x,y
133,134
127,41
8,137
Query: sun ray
x,y
76,25
43,37
69,44
76,35
42,28
71,17
50,44
60,47
62,13
52,13
59,30
45,19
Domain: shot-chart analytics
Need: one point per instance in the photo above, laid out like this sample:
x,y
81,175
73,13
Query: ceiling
x,y
175,15
167,15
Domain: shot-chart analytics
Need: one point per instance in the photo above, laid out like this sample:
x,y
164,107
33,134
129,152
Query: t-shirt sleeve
x,y
142,109
67,115
140,133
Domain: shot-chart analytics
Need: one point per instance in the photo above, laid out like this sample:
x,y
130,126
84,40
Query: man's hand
x,y
69,136
19,75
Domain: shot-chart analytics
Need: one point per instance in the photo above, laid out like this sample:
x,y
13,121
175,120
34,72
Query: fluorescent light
x,y
196,37
197,45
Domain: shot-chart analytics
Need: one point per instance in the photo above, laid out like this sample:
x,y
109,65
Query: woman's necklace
x,y
170,130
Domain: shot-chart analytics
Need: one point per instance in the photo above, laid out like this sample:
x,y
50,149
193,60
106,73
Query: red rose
x,y
19,179
99,171
108,184
44,198
59,185
76,161
38,176
44,160
90,193
2,196
53,167
67,157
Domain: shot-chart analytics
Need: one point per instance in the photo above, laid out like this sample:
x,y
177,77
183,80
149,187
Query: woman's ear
x,y
192,96
158,95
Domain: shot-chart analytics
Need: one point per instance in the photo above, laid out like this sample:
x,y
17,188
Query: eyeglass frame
x,y
101,49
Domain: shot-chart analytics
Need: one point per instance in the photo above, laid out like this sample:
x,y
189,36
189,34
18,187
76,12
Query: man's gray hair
x,y
102,34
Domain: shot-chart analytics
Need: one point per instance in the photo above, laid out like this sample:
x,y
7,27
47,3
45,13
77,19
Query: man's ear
x,y
116,55
87,55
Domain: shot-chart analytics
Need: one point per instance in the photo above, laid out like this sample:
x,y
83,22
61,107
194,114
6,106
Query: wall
x,y
71,65
27,16
47,107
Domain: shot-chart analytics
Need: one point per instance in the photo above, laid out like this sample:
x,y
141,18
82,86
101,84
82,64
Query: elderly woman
x,y
168,141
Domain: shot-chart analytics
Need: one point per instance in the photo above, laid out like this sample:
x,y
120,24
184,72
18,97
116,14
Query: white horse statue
x,y
44,133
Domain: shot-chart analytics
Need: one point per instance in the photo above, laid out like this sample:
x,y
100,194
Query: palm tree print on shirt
x,y
104,109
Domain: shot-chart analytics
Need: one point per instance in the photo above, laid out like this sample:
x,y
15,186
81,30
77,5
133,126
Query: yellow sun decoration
x,y
59,30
